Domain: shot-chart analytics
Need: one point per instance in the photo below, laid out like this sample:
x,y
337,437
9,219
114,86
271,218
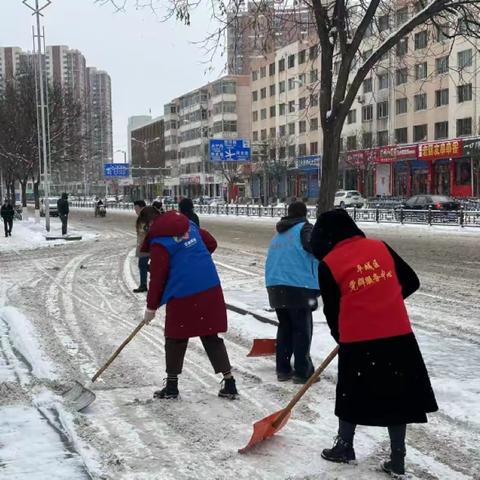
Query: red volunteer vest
x,y
371,302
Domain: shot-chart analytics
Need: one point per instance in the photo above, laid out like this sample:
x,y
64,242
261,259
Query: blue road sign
x,y
115,170
230,150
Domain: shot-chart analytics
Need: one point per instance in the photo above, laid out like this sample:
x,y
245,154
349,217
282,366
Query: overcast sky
x,y
150,62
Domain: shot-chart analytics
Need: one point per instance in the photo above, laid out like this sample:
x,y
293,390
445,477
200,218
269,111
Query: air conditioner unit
x,y
361,99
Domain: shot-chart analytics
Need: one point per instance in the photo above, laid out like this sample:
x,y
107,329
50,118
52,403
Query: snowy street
x,y
66,307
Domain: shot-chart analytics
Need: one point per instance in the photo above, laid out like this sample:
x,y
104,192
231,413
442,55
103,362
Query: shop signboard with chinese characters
x,y
471,148
362,158
437,150
189,179
115,170
310,163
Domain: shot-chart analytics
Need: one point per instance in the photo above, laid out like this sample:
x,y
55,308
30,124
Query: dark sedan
x,y
435,202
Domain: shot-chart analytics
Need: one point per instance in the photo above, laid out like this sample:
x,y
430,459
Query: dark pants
x,y
214,346
294,336
64,220
143,268
397,433
8,224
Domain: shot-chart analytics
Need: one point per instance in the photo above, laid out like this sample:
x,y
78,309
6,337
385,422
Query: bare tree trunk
x,y
11,192
36,193
23,184
330,160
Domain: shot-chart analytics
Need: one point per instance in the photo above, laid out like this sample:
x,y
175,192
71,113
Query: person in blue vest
x,y
184,278
291,278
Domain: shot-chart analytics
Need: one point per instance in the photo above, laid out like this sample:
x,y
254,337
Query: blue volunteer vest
x,y
288,263
191,266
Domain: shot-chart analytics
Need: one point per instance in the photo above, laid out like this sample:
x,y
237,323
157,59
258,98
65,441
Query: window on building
x,y
291,129
352,116
420,101
367,85
230,126
401,76
273,111
263,134
281,65
313,100
442,33
291,83
382,81
313,52
282,152
254,96
421,39
254,75
383,23
465,58
302,80
271,69
302,56
464,93
420,133
401,106
281,86
464,127
281,130
382,138
314,124
302,126
281,109
255,136
401,135
382,109
263,114
313,75
441,97
352,143
272,90
291,151
367,140
401,16
273,134
402,47
263,72
367,113
255,116
302,103
263,92
441,130
272,153
420,71
441,65
291,106
291,61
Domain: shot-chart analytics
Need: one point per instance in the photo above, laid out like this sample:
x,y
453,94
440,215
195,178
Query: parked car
x,y
435,202
217,201
52,206
348,198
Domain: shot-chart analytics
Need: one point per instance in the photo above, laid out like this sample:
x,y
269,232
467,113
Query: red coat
x,y
197,315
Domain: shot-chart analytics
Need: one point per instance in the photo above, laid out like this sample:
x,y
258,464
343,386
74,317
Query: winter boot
x,y
229,389
140,289
284,377
341,452
170,390
395,467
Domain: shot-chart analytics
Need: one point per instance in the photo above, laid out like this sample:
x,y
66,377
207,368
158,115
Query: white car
x,y
348,198
52,206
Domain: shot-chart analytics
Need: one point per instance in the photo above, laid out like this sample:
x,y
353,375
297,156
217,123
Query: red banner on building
x,y
407,152
436,150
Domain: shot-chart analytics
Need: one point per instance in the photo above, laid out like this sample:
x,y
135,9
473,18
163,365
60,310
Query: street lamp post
x,y
43,121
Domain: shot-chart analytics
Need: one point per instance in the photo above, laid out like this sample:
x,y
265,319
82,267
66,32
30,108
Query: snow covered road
x,y
78,300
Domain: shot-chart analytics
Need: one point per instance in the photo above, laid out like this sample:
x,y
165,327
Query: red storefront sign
x,y
436,150
408,152
386,154
359,158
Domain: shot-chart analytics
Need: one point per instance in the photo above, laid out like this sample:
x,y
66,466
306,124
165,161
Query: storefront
x,y
471,149
309,175
363,163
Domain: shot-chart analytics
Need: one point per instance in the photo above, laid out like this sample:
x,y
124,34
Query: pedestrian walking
x,y
184,278
382,378
157,204
7,213
141,230
291,278
63,211
186,207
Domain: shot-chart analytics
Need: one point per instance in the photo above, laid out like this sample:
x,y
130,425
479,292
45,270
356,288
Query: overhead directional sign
x,y
230,150
115,170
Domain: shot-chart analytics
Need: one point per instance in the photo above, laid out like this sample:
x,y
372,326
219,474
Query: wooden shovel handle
x,y
118,350
307,385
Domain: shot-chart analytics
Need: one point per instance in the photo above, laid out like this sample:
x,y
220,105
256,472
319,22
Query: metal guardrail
x,y
462,217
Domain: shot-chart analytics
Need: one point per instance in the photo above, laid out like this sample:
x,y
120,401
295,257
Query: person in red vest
x,y
382,379
184,278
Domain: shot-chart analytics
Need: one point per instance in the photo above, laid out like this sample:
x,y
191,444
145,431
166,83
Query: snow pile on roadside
x,y
29,235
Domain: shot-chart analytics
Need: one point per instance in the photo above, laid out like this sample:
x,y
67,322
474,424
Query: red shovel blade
x,y
263,347
264,429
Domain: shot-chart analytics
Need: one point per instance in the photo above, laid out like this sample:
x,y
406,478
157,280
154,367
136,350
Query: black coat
x,y
62,205
380,382
7,212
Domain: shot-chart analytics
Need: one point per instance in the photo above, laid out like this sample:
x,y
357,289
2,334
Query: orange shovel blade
x,y
263,347
264,429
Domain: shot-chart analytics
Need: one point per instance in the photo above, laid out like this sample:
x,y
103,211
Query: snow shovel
x,y
268,426
80,396
263,347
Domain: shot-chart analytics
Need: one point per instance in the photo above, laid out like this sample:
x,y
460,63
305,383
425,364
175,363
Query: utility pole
x,y
43,120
